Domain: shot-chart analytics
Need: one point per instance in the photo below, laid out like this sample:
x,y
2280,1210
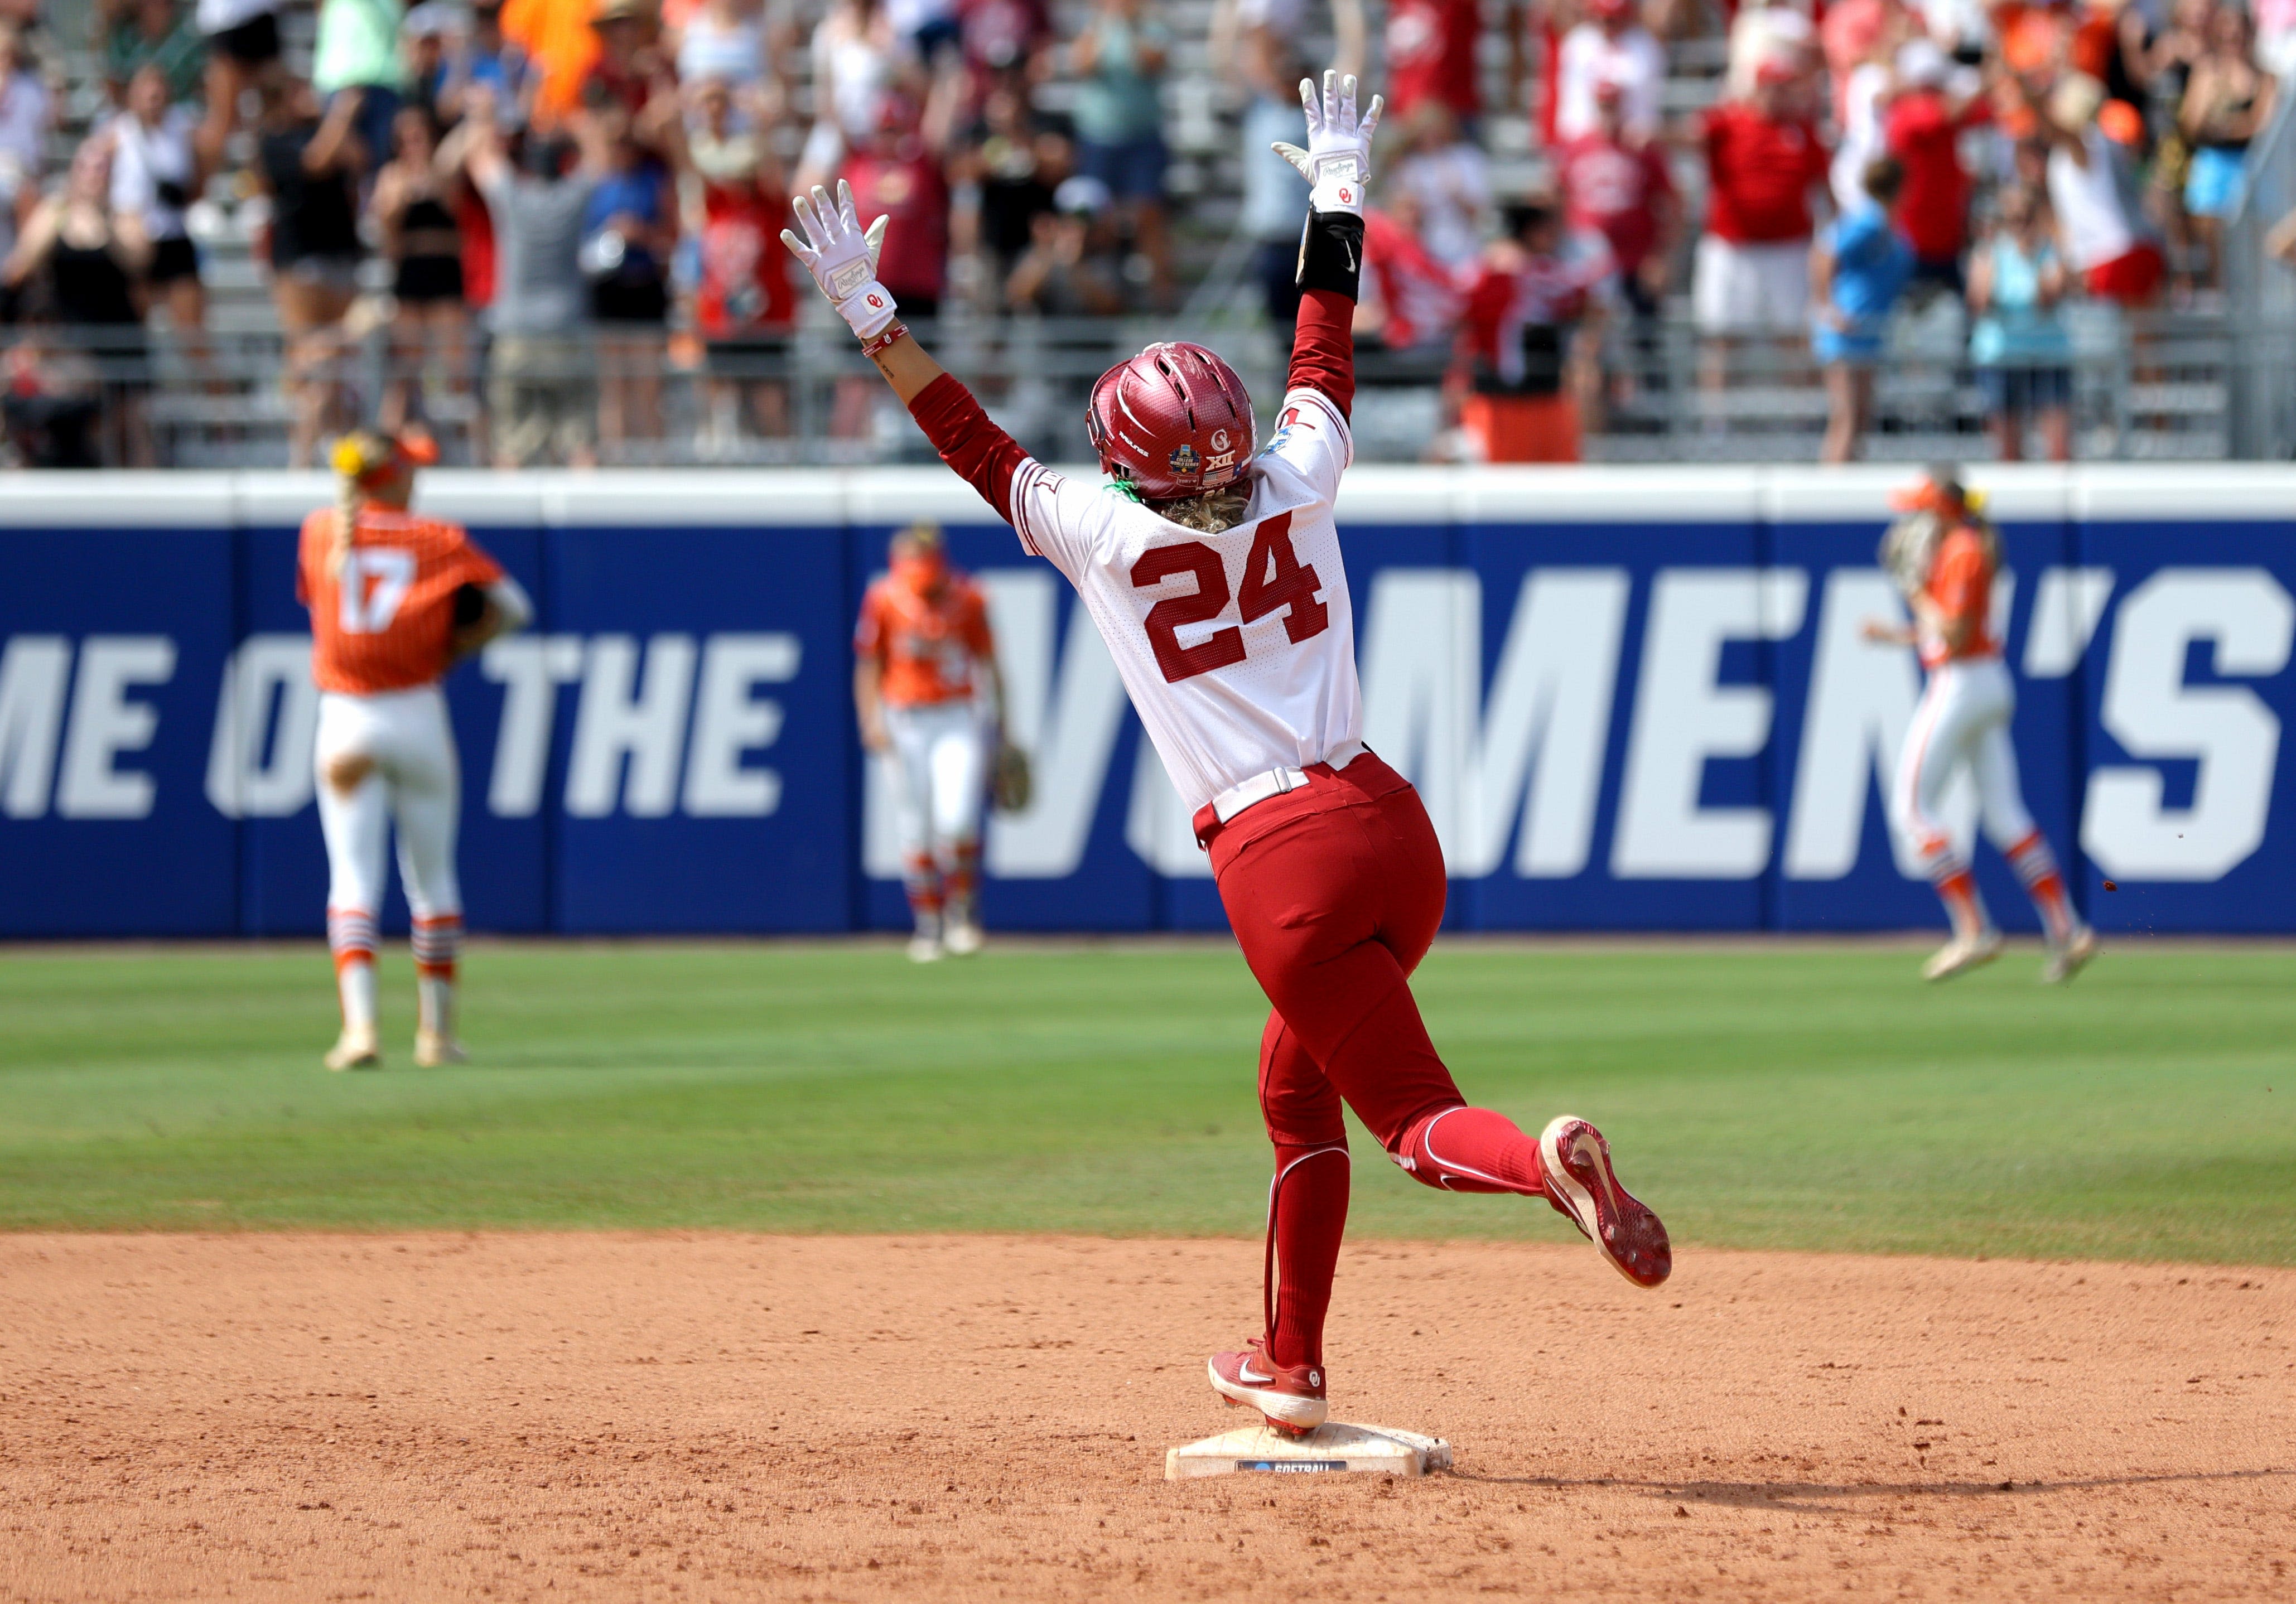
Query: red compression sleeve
x,y
984,455
1323,347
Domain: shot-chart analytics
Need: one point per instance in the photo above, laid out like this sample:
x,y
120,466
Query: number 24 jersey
x,y
1238,649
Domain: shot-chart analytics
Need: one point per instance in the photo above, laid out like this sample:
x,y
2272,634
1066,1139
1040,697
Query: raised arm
x,y
842,259
1336,164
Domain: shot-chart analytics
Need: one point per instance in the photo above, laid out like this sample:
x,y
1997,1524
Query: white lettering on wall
x,y
32,674
1861,701
529,668
729,721
266,722
2150,711
616,720
1534,751
107,722
1685,718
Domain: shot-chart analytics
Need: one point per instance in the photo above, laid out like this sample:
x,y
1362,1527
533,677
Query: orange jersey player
x,y
925,685
1213,571
396,601
1944,557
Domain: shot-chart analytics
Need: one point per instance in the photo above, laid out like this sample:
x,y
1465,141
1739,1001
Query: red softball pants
x,y
1335,891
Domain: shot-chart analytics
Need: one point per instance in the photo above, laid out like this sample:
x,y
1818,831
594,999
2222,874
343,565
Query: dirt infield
x,y
720,1417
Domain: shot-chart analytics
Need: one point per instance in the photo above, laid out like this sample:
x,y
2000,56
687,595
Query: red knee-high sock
x,y
1307,1213
1471,1150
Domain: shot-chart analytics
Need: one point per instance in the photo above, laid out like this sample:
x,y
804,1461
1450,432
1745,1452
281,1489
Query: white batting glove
x,y
1337,161
842,259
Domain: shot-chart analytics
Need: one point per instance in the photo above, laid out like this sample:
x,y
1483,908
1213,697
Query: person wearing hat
x,y
396,601
1066,271
926,689
1943,555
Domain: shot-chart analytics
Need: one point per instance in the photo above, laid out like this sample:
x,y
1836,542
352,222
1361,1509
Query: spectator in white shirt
x,y
1450,180
859,58
156,176
1613,47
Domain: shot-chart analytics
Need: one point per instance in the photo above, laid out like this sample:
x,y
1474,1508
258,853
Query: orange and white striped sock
x,y
960,878
2037,867
921,878
437,943
350,936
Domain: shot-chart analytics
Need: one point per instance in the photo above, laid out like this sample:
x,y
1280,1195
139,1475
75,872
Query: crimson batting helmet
x,y
1174,422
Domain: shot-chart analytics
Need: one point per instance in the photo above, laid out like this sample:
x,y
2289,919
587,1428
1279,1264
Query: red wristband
x,y
877,343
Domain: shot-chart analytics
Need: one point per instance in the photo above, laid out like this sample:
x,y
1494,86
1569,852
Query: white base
x,y
1330,1447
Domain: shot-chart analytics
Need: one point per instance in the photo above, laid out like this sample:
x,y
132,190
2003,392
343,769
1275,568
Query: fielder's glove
x,y
842,259
1337,161
1011,783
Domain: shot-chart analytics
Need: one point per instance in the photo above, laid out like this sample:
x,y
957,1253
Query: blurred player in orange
x,y
396,601
1943,556
925,685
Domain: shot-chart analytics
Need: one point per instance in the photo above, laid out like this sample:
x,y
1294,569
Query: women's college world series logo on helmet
x,y
1174,422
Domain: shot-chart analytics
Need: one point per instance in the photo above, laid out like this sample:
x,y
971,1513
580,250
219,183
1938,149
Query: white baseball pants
x,y
1963,720
415,781
942,753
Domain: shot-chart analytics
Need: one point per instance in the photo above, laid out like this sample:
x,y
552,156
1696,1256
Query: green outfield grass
x,y
1759,1095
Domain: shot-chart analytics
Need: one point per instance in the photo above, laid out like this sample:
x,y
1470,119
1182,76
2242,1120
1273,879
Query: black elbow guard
x,y
1331,253
470,605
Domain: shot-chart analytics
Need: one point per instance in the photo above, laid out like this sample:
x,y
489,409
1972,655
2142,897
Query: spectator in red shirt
x,y
1751,276
898,174
743,306
1431,55
1411,302
1923,130
1620,187
1529,337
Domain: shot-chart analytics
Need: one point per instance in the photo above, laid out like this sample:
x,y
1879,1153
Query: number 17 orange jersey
x,y
387,621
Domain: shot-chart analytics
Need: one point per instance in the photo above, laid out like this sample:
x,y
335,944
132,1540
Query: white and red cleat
x,y
1289,1396
1576,1164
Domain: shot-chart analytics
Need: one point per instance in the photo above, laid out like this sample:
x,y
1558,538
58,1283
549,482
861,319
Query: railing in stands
x,y
2163,387
2260,300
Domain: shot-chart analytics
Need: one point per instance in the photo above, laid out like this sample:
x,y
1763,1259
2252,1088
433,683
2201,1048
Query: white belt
x,y
1274,783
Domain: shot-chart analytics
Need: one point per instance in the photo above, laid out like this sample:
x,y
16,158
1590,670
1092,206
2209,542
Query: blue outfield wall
x,y
1634,700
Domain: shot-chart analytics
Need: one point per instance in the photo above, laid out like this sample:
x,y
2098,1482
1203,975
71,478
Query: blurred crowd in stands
x,y
572,198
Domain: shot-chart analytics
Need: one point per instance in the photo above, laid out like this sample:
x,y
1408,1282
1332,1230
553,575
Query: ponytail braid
x,y
355,455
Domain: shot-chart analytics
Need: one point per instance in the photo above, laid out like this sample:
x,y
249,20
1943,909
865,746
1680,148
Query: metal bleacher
x,y
2156,391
